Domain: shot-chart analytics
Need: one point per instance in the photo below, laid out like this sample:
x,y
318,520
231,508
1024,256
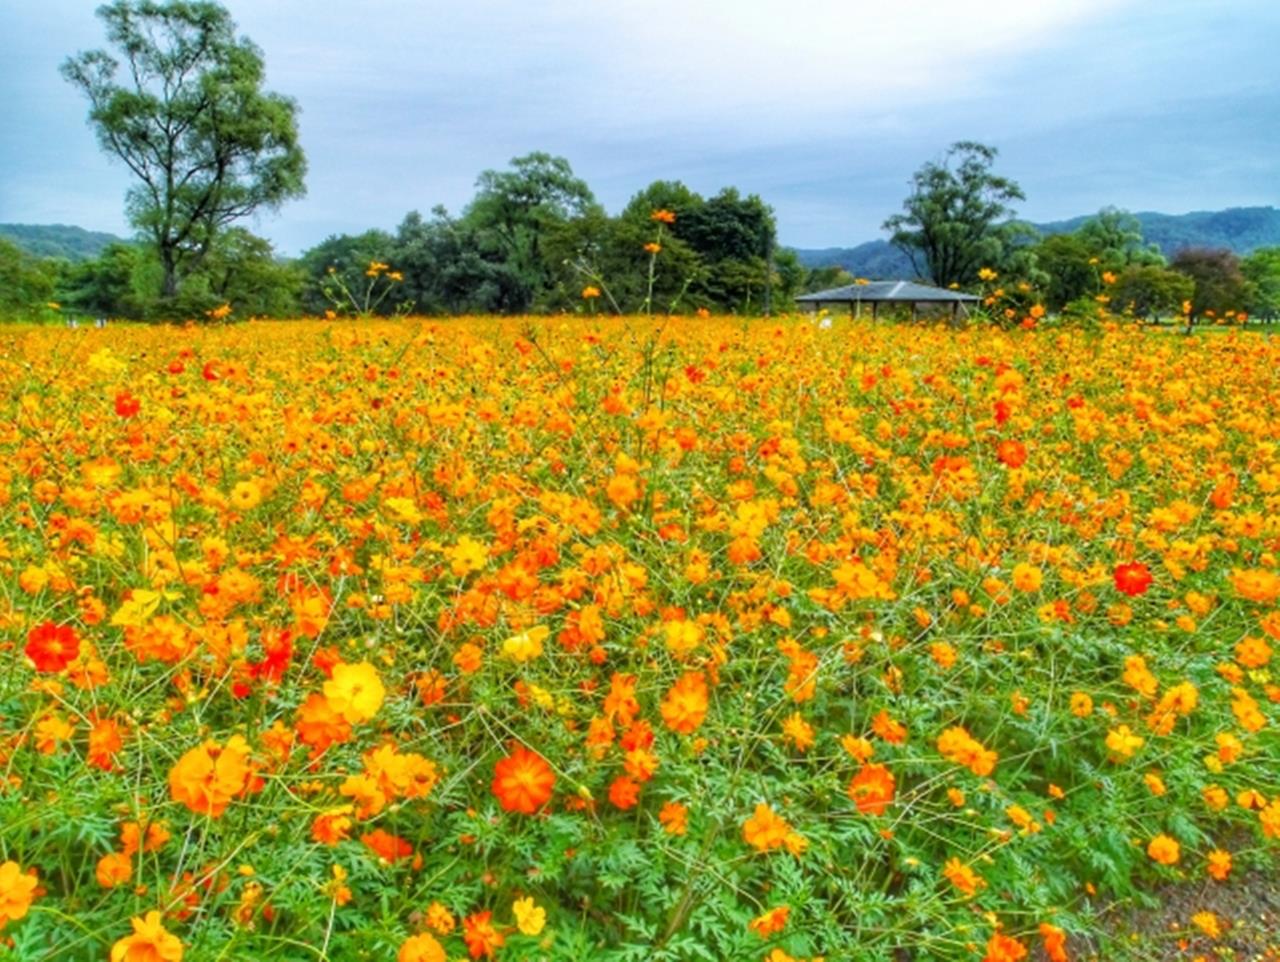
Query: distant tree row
x,y
534,238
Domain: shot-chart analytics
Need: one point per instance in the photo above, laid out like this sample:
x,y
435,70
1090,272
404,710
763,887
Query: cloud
x,y
824,107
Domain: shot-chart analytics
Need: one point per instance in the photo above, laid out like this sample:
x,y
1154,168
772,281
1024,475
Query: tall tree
x,y
1114,236
1262,270
954,221
26,282
1073,269
1219,284
1148,290
192,123
514,210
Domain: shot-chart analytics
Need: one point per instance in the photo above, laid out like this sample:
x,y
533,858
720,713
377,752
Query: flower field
x,y
577,639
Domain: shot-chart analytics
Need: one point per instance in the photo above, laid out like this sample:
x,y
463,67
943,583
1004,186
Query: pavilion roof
x,y
905,292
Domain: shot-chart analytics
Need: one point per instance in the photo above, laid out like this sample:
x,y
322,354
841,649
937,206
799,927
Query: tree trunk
x,y
170,289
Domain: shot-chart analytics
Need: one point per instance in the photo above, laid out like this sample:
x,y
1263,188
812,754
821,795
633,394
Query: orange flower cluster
x,y
958,746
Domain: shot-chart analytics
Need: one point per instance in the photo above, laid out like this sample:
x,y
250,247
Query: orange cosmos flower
x,y
640,764
1269,819
766,829
319,726
17,890
440,919
1219,866
663,216
1027,577
150,942
51,732
523,781
105,742
1004,948
674,818
771,922
1055,942
332,827
798,731
957,745
421,948
114,869
872,789
1207,922
1164,850
623,489
685,705
52,647
1258,585
206,778
884,726
1253,653
962,877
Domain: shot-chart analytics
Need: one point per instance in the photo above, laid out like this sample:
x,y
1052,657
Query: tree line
x,y
533,239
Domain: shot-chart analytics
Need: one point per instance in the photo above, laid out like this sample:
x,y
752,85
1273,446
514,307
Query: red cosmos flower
x,y
127,405
390,848
639,734
523,781
1133,579
624,793
480,935
277,647
1012,454
52,647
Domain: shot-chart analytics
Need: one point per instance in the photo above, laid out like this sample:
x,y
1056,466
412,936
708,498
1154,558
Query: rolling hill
x,y
1240,229
59,240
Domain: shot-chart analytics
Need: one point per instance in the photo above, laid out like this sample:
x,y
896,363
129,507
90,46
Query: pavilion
x,y
876,293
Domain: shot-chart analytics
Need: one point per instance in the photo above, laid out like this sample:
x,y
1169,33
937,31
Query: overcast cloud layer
x,y
823,107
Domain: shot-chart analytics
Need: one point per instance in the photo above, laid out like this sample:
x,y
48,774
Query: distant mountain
x,y
1241,229
874,260
59,240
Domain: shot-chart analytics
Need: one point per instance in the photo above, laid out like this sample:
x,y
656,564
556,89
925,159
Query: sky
x,y
822,107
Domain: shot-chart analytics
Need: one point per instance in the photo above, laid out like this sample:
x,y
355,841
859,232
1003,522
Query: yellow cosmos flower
x,y
527,645
530,918
355,692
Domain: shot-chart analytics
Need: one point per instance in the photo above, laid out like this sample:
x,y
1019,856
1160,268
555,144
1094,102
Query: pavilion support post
x,y
875,309
914,307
